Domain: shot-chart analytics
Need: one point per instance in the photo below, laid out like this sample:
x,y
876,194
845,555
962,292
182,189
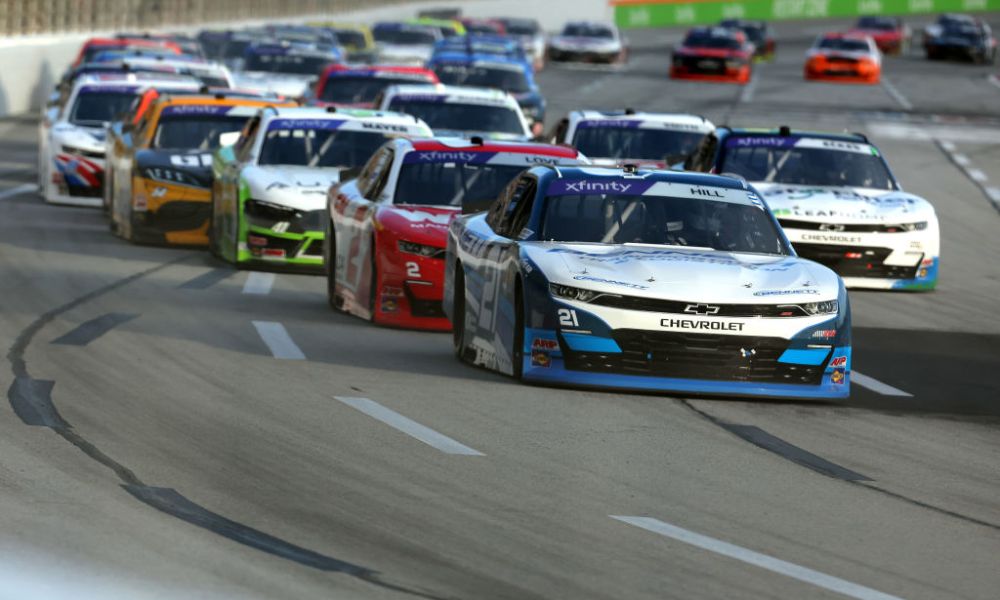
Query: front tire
x,y
330,259
458,314
373,287
517,352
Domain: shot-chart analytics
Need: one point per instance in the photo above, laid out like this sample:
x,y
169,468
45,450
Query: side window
x,y
520,211
494,218
559,137
703,158
381,176
244,145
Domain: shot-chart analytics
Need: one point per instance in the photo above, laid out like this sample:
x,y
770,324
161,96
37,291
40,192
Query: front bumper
x,y
409,291
293,243
172,215
709,69
587,56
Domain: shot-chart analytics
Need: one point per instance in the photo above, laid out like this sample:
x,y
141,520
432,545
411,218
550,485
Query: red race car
x,y
891,35
357,87
93,46
713,54
844,57
388,229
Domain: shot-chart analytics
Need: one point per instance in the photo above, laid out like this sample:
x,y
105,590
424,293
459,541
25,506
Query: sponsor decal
x,y
766,293
707,192
109,89
634,286
609,124
839,361
759,141
838,376
193,109
825,237
307,124
586,186
544,344
825,334
700,325
540,359
256,240
456,156
389,304
385,127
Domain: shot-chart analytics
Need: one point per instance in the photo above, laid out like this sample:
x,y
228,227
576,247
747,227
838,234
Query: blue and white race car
x,y
647,280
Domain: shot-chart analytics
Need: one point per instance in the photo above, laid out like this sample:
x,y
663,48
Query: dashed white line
x,y
961,159
877,386
757,559
896,95
978,175
258,283
994,80
408,426
994,194
278,341
948,146
17,191
749,89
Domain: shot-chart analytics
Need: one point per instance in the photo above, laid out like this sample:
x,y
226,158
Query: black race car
x,y
960,36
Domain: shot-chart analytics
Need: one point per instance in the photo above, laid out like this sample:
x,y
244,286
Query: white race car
x,y
72,137
269,190
212,74
459,111
281,68
837,201
584,41
405,43
651,280
647,139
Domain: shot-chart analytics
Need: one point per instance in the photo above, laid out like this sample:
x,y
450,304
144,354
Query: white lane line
x,y
877,386
948,146
750,88
258,283
764,561
408,426
896,95
591,87
994,194
994,80
17,191
278,341
978,175
961,159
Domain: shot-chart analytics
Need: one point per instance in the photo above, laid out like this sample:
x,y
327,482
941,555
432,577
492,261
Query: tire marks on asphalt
x,y
757,559
762,439
206,280
93,329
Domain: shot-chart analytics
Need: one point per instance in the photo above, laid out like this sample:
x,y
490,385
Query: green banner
x,y
629,13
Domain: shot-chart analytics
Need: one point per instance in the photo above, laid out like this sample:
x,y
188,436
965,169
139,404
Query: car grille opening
x,y
870,264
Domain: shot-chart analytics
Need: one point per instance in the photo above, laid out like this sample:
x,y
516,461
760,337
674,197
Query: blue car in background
x,y
482,44
511,75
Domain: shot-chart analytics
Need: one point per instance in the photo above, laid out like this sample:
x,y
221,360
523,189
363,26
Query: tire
x,y
458,314
330,258
517,352
374,284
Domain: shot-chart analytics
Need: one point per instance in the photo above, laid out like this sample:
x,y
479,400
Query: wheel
x,y
458,314
330,260
374,283
517,352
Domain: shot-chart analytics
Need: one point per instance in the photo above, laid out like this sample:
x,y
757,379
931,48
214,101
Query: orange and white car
x,y
844,57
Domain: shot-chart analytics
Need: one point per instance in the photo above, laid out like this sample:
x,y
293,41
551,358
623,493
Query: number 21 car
x,y
646,280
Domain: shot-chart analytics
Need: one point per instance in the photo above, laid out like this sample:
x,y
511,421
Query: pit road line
x,y
259,283
897,95
276,337
17,191
408,426
877,386
764,561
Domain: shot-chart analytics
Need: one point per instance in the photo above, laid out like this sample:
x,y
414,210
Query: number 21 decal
x,y
567,317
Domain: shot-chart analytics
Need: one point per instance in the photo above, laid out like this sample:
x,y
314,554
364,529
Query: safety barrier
x,y
665,13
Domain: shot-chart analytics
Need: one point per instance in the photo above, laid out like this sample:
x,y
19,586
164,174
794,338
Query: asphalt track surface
x,y
194,431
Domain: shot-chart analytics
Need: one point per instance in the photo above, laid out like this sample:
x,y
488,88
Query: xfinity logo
x,y
447,156
597,186
700,325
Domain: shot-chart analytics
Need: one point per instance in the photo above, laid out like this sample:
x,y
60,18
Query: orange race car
x,y
159,165
844,57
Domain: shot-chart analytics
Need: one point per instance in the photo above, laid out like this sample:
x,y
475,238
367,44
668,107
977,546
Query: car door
x,y
226,204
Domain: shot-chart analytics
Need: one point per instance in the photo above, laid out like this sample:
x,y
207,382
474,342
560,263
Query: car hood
x,y
583,43
301,188
284,84
420,224
824,204
187,167
88,138
685,274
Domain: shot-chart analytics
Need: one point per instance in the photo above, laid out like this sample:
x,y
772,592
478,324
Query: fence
x,y
34,17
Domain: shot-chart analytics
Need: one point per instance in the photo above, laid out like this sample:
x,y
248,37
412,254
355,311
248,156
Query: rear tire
x,y
373,288
330,261
517,353
458,314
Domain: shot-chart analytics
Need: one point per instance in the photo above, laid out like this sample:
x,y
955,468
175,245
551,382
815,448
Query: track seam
x,y
975,175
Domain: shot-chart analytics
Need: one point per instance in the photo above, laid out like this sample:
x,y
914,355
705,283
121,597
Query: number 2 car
x,y
646,280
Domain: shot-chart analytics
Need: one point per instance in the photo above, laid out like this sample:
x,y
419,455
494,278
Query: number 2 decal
x,y
567,317
413,270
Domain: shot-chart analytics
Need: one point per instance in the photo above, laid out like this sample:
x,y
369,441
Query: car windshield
x,y
356,89
406,37
319,147
234,49
94,108
708,40
452,183
482,29
585,30
292,64
661,220
199,132
877,23
351,38
461,117
844,44
511,80
524,28
841,164
627,142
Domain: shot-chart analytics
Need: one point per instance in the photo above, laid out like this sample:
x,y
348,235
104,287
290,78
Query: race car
x,y
891,34
837,200
387,231
531,36
584,41
448,28
356,39
513,76
844,58
281,68
613,138
647,280
358,87
159,174
758,33
713,54
72,137
405,43
94,46
483,26
460,111
960,36
212,74
269,189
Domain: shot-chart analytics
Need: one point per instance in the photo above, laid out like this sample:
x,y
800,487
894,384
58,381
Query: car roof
x,y
219,99
763,132
445,144
125,78
456,92
654,175
342,114
337,70
481,59
626,115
